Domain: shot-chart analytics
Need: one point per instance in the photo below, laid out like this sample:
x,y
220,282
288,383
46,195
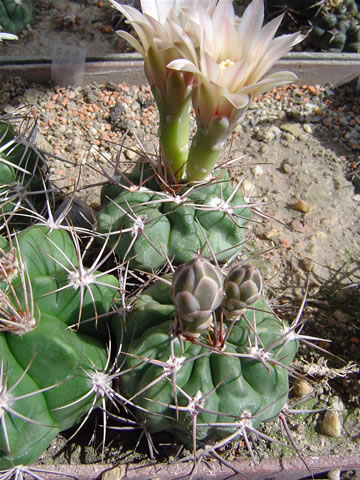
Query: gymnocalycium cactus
x,y
336,27
24,176
200,382
48,371
156,226
15,15
201,359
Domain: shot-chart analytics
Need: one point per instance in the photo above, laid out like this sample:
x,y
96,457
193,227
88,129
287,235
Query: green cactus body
x,y
169,227
225,384
22,172
26,441
47,355
15,15
336,28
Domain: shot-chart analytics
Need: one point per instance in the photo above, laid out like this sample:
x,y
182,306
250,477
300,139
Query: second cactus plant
x,y
24,177
47,370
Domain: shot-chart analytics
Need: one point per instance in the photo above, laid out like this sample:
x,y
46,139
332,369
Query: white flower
x,y
168,30
165,33
234,55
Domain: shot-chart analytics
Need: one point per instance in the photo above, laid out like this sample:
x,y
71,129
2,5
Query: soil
x,y
299,171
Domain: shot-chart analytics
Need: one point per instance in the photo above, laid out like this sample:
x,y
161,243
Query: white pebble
x,y
258,171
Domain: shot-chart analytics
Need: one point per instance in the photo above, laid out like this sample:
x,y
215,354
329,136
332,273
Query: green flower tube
x,y
174,102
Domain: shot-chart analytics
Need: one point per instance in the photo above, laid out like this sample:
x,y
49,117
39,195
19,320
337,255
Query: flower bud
x,y
196,292
242,287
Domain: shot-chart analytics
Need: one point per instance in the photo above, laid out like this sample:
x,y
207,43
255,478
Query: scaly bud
x,y
242,287
196,292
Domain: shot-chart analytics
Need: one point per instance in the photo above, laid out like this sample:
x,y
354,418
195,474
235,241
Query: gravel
x,y
77,121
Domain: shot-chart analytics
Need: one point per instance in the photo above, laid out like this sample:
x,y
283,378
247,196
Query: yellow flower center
x,y
226,63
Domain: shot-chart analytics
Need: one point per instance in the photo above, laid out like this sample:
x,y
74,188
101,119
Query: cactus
x,y
24,176
15,15
48,371
205,358
157,226
198,389
336,28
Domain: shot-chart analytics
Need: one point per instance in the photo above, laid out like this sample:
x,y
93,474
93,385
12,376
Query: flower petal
x,y
271,81
238,100
132,40
279,47
207,102
7,36
251,22
183,65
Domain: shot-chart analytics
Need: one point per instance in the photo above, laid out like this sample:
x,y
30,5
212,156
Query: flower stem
x,y
206,148
174,137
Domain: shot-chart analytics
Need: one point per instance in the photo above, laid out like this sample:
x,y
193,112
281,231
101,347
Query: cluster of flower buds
x,y
198,289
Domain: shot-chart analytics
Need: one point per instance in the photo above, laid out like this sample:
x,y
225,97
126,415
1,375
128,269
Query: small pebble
x,y
342,317
258,171
307,264
294,129
287,137
116,473
334,474
302,388
285,243
287,168
130,154
272,234
318,111
302,206
330,424
248,188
